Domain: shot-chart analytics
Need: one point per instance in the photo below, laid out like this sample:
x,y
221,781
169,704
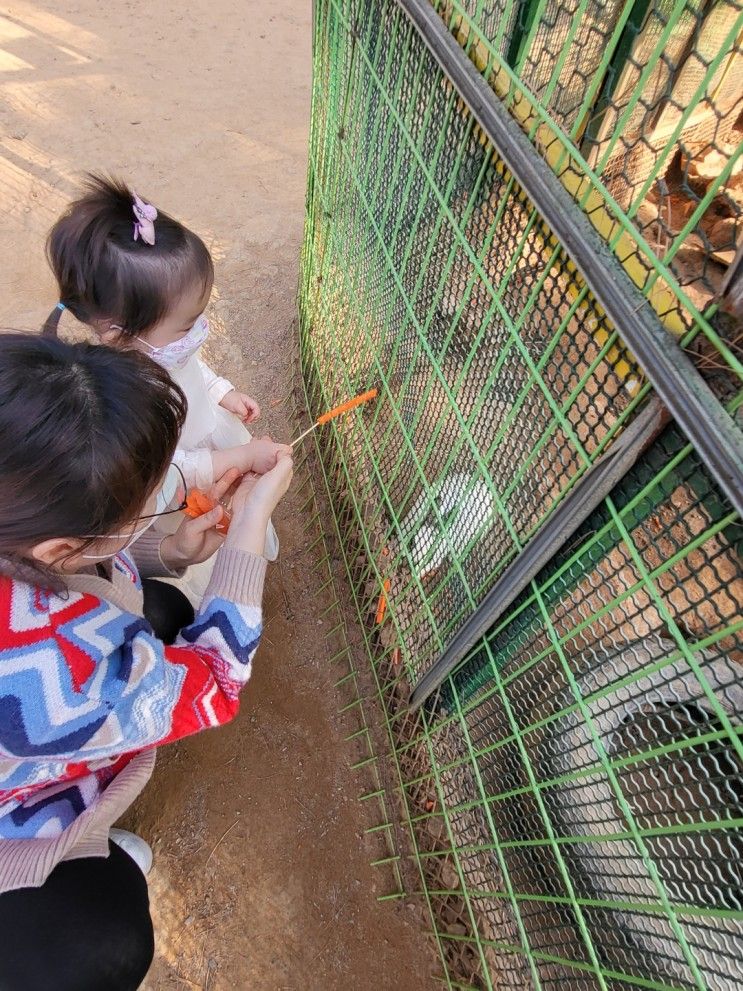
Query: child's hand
x,y
262,454
252,504
196,540
243,406
258,455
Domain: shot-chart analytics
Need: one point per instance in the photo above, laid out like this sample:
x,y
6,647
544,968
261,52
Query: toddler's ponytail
x,y
50,326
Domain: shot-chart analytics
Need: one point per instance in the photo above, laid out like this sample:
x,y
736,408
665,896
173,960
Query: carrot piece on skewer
x,y
348,405
331,414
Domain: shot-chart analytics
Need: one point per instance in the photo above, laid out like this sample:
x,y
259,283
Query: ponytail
x,y
50,327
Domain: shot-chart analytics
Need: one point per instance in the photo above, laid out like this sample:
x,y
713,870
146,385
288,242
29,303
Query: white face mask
x,y
177,353
165,498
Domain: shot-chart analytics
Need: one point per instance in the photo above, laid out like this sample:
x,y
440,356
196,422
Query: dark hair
x,y
104,274
74,461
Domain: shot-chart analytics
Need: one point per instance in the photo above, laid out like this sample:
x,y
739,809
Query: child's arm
x,y
216,386
197,466
260,456
201,467
223,392
114,688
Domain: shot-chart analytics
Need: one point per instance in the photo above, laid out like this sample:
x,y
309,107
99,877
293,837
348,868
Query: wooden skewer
x,y
305,433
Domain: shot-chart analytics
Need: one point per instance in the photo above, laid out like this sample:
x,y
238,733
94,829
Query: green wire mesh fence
x,y
637,106
573,781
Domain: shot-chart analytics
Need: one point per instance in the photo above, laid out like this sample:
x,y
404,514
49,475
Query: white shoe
x,y
271,548
135,846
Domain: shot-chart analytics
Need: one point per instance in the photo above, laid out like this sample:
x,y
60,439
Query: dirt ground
x,y
262,876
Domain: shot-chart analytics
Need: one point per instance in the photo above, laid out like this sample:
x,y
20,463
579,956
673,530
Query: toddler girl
x,y
87,689
142,280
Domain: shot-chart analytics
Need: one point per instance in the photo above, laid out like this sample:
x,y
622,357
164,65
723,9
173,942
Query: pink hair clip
x,y
144,224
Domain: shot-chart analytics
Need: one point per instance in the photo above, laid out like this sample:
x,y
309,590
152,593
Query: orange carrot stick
x,y
345,407
198,503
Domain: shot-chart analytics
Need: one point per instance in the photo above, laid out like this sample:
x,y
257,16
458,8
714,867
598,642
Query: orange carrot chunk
x,y
382,604
198,503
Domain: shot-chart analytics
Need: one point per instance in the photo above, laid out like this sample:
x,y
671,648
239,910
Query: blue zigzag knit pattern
x,y
84,686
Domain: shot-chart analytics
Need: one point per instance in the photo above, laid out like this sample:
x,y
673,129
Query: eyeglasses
x,y
173,483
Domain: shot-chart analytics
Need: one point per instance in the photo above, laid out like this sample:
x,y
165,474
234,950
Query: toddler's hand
x,y
262,454
241,405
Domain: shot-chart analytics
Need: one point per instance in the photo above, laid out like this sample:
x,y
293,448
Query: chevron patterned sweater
x,y
87,693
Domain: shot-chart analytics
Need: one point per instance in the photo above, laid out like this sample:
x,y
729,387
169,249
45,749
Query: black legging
x,y
87,928
166,609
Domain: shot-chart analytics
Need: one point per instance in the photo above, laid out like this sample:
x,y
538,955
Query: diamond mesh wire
x,y
476,322
574,789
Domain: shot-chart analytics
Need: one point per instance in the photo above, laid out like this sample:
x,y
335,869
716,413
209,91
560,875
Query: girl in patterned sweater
x,y
87,689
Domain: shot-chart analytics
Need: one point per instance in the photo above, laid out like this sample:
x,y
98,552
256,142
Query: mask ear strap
x,y
103,332
147,344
